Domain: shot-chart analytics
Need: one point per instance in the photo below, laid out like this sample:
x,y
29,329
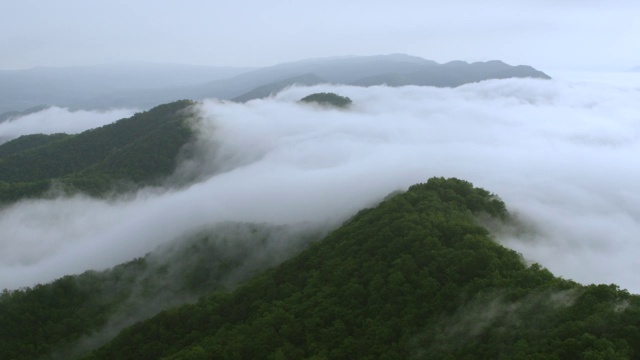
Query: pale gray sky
x,y
543,33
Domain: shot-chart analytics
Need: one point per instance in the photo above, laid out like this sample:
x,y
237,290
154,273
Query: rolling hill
x,y
417,276
77,313
138,150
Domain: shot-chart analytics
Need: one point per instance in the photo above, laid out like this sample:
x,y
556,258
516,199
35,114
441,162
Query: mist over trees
x,y
269,268
78,313
415,277
140,150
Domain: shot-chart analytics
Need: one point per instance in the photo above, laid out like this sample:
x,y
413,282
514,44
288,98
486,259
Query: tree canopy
x,y
415,277
330,99
137,150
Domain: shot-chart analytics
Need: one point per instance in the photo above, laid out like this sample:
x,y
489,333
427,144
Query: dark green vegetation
x,y
329,99
139,150
74,314
415,277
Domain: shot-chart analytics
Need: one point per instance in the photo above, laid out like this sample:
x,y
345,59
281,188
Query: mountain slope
x,y
415,277
28,142
15,114
75,314
453,74
140,149
117,88
363,71
272,88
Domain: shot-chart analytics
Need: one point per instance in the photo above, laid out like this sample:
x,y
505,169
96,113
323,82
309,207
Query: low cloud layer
x,y
560,153
58,120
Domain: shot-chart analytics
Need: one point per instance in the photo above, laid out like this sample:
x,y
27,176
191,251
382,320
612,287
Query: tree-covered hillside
x,y
416,277
137,150
327,99
74,314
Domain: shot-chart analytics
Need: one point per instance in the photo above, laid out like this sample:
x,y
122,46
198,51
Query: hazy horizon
x,y
544,34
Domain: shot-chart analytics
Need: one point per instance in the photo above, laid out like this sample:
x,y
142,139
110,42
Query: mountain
x,y
453,74
364,71
139,150
15,114
75,314
138,87
341,69
327,100
273,88
415,277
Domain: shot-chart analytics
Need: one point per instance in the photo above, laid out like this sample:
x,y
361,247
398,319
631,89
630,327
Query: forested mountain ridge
x,y
415,277
327,99
74,314
139,150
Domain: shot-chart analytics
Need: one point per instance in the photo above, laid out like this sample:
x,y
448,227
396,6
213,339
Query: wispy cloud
x,y
58,120
560,153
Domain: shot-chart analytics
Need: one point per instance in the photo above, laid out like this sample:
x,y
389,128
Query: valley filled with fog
x,y
561,154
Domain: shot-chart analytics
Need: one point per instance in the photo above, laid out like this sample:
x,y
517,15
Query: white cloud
x,y
58,120
560,153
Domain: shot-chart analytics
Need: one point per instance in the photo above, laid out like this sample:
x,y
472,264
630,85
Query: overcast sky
x,y
542,33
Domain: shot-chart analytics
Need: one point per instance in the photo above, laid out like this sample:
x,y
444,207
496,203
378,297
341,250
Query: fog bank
x,y
560,153
59,120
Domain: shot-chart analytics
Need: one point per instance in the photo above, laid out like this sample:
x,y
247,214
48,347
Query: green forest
x,y
67,317
140,150
416,277
327,99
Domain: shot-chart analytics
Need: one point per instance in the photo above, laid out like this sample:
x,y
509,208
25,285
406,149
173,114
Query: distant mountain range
x,y
146,85
15,114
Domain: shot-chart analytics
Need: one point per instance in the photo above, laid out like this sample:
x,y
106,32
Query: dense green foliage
x,y
327,99
415,277
140,149
27,142
76,313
